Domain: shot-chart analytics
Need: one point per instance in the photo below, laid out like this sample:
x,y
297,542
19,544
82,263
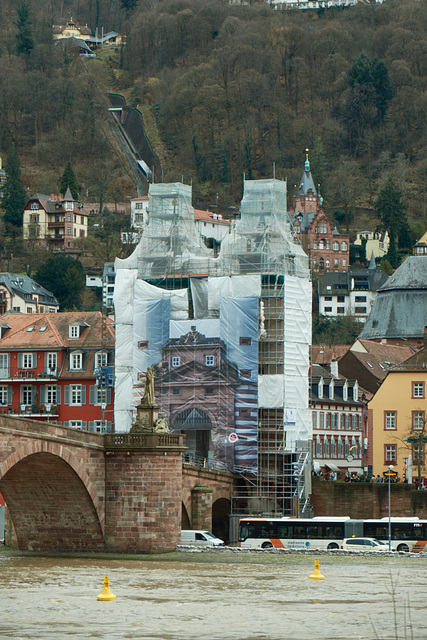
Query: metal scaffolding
x,y
259,262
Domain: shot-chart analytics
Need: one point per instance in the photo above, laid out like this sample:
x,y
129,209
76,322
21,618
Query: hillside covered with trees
x,y
226,90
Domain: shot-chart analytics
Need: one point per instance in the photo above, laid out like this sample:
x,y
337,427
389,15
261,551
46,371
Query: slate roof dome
x,y
400,308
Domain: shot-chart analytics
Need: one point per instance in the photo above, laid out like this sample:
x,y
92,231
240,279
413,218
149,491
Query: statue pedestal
x,y
147,415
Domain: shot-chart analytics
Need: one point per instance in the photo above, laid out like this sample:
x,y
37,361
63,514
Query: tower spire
x,y
307,162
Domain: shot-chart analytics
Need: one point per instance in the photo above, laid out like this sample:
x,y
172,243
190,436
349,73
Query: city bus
x,y
322,532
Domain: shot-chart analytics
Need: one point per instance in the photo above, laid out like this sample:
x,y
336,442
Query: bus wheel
x,y
403,547
332,545
266,545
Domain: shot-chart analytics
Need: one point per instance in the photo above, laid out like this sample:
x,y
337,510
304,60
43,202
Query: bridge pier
x,y
201,507
143,484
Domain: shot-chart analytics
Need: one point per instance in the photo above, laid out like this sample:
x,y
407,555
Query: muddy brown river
x,y
55,598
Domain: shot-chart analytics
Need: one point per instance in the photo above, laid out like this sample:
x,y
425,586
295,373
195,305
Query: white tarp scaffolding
x,y
173,277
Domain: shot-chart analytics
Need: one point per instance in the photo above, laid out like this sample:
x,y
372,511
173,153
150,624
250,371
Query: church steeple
x,y
307,162
307,182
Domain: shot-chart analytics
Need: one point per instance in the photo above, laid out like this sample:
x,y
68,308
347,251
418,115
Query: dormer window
x,y
68,206
320,388
76,361
331,389
34,205
345,392
74,331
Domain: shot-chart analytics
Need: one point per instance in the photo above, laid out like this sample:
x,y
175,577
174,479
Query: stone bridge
x,y
73,490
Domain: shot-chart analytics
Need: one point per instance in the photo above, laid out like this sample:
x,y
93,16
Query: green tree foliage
x,y
386,266
64,277
391,210
24,38
370,78
335,330
68,179
129,4
14,195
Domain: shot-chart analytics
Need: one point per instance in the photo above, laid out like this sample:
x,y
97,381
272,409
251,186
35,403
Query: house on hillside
x,y
420,247
338,423
397,413
55,222
21,294
71,30
327,248
56,367
350,293
212,227
376,243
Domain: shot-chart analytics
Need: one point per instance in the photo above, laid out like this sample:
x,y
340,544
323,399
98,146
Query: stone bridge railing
x,y
143,440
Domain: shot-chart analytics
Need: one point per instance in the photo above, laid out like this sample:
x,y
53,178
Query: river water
x,y
44,598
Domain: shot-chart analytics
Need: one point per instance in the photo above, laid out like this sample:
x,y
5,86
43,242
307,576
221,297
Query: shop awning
x,y
332,466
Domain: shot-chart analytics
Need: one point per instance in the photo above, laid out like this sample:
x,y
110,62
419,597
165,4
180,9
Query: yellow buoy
x,y
316,575
106,593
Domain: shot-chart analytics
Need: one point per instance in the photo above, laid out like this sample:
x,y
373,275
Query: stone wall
x,y
366,500
143,493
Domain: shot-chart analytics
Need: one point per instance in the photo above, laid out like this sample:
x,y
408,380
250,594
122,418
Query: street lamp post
x,y
405,462
390,469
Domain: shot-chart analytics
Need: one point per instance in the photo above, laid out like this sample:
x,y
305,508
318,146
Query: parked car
x,y
364,544
200,538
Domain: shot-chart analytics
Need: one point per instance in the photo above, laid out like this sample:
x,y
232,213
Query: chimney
x,y
334,368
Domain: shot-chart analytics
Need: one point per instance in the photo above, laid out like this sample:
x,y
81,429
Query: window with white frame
x,y
417,420
340,447
390,420
76,424
76,361
343,246
74,331
28,360
51,362
51,394
318,447
76,394
101,359
390,451
209,361
26,395
176,361
418,389
3,395
335,246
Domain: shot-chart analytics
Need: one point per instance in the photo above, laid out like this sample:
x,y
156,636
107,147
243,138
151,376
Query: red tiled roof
x,y
199,214
325,355
56,333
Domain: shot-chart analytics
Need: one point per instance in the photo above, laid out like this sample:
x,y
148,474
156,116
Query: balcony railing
x,y
18,373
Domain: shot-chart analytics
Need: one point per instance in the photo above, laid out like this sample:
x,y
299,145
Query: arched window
x,y
327,264
343,246
314,244
327,244
321,245
336,246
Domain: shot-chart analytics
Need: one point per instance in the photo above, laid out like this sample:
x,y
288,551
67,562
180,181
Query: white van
x,y
200,538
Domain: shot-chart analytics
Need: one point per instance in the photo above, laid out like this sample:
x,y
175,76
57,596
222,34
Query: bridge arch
x,y
52,501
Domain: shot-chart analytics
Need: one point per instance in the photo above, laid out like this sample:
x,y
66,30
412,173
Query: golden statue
x,y
148,397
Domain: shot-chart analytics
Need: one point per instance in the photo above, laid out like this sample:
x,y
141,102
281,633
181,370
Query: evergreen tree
x,y
391,210
68,179
24,38
14,195
64,277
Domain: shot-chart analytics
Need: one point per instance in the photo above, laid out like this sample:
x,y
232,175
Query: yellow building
x,y
71,30
397,412
56,222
